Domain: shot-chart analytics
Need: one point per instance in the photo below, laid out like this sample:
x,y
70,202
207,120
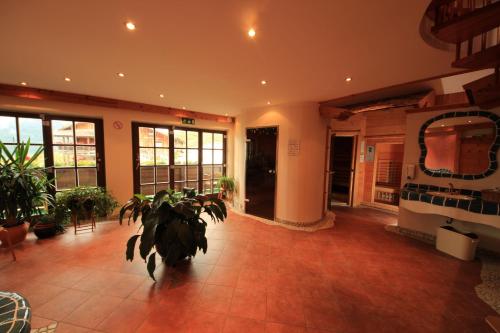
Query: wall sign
x,y
370,153
187,121
293,147
118,125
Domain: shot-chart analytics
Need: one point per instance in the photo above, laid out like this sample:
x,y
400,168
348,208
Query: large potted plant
x,y
174,226
23,189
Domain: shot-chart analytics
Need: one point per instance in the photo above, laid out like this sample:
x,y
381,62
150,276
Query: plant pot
x,y
455,243
45,230
17,234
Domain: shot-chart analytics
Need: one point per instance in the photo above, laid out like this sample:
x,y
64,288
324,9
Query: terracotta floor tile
x,y
282,328
246,325
62,305
249,303
126,317
285,309
224,276
355,277
93,311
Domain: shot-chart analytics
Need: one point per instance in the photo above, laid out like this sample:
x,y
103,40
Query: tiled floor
x,y
355,277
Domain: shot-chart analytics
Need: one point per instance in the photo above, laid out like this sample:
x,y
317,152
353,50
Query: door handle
x,y
272,172
247,200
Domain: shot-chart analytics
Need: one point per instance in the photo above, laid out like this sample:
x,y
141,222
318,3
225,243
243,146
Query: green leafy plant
x,y
226,184
23,186
173,226
83,200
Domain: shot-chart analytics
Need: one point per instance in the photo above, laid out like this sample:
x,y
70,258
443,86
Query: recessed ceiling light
x,y
130,25
268,102
184,108
121,74
67,79
226,114
251,33
348,79
442,125
24,83
263,82
470,121
161,95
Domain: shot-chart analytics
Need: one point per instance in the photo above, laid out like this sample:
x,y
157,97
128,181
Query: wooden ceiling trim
x,y
59,96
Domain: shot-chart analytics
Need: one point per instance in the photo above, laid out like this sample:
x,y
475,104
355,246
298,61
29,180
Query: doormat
x,y
489,289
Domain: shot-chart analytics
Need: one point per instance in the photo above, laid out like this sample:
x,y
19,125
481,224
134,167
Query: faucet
x,y
452,188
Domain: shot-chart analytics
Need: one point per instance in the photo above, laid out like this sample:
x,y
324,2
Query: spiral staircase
x,y
472,28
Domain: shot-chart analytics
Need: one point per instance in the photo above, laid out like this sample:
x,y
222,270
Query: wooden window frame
x,y
171,128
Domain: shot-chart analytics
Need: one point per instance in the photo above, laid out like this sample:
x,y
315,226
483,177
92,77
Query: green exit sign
x,y
188,121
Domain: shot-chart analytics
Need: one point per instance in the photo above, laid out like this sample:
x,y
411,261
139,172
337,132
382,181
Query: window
x,y
73,148
14,130
213,160
168,157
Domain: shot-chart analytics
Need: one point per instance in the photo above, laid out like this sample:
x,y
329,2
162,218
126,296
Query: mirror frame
x,y
492,153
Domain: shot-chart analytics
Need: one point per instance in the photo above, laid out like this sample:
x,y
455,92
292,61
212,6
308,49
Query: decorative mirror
x,y
461,145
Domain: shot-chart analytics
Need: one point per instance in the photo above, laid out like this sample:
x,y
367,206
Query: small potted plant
x,y
23,188
226,187
51,224
84,201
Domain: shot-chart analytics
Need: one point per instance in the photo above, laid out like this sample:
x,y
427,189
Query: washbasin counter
x,y
463,204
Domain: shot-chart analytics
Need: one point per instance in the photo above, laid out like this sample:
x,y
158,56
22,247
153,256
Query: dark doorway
x,y
260,180
341,170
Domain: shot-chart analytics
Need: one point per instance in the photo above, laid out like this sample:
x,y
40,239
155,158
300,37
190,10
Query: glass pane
x,y
218,141
207,187
218,159
192,139
87,177
8,131
161,137
180,156
218,171
85,156
30,128
147,156
160,187
207,140
40,161
146,137
192,173
162,174
161,156
179,186
148,189
207,172
65,179
215,189
62,132
85,133
64,156
147,175
192,157
193,185
180,173
207,156
179,139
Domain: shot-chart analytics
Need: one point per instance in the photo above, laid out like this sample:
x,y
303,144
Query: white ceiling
x,y
197,53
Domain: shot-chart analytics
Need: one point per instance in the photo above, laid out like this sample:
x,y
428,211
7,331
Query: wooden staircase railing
x,y
473,26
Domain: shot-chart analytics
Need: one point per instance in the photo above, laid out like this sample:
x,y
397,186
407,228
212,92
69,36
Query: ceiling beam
x,y
59,96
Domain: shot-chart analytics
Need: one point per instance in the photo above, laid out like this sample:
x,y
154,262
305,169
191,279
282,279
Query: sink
x,y
449,195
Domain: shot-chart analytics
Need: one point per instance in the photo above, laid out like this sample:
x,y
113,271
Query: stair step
x,y
471,24
484,92
488,58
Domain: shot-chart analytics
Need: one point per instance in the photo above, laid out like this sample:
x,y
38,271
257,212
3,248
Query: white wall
x,y
427,223
300,179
